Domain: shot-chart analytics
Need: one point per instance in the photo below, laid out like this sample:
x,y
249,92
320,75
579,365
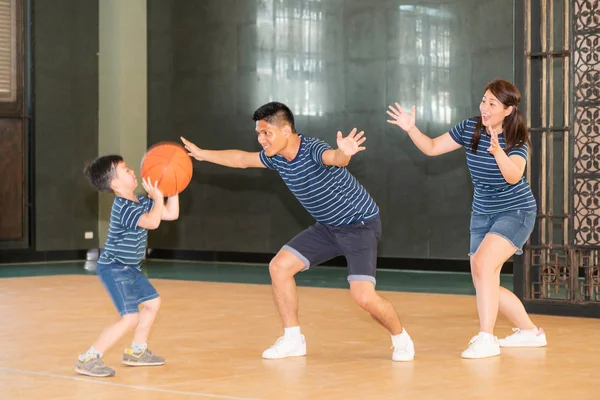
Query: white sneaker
x,y
524,339
482,346
404,348
286,347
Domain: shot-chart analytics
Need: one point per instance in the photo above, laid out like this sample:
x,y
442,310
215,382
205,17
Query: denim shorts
x,y
357,242
513,225
126,285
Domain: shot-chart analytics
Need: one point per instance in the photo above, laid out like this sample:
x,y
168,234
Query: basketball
x,y
169,164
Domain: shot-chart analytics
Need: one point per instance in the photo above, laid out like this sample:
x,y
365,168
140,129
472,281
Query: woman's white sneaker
x,y
521,338
483,345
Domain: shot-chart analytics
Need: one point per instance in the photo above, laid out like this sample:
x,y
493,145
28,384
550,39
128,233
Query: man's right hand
x,y
193,150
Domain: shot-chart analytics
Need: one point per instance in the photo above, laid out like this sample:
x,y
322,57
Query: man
x,y
347,221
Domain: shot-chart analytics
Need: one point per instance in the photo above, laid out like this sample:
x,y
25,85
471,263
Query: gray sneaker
x,y
140,359
93,366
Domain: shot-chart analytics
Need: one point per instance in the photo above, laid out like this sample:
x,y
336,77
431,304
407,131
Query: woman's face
x,y
493,111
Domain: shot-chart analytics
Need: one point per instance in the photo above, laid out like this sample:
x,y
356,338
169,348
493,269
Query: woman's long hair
x,y
513,126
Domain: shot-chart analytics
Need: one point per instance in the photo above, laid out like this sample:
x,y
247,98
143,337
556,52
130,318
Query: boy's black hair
x,y
101,171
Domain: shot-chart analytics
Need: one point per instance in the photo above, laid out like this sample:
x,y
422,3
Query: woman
x,y
503,210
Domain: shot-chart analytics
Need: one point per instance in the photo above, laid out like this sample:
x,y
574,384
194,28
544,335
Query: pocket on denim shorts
x,y
526,218
479,223
529,217
125,280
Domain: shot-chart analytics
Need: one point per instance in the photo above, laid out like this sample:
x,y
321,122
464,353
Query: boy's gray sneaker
x,y
93,366
144,358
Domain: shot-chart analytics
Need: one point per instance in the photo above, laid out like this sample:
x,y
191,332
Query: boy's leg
x,y
359,243
139,354
118,281
147,316
114,332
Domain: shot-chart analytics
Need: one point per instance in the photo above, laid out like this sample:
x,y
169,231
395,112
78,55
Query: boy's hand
x,y
153,191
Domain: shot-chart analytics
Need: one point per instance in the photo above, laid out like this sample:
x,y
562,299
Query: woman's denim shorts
x,y
513,225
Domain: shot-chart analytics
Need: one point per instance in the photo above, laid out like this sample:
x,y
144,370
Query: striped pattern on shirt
x,y
330,194
492,194
126,242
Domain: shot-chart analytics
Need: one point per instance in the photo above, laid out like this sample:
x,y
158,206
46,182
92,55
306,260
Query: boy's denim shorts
x,y
513,225
126,285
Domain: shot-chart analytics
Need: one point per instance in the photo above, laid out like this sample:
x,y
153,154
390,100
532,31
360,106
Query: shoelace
x,y
281,339
398,347
97,363
274,347
93,357
476,338
473,339
517,332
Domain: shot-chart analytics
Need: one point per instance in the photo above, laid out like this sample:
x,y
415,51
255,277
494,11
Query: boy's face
x,y
124,179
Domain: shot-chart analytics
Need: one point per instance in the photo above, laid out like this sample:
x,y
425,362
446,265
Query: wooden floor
x,y
212,336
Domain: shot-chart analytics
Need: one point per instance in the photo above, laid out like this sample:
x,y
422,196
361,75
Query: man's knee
x,y
284,265
363,293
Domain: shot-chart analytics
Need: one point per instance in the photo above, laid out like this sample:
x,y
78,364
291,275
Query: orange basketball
x,y
169,164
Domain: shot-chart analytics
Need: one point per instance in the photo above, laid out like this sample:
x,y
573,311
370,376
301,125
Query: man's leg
x,y
364,294
282,269
359,243
311,247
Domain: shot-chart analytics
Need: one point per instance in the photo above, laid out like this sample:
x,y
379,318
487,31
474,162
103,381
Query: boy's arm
x,y
151,220
227,158
171,209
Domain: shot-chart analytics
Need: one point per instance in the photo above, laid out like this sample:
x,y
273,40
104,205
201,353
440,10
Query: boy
x,y
119,264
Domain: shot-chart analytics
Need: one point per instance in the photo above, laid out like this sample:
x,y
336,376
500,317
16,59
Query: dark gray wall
x,y
337,64
65,35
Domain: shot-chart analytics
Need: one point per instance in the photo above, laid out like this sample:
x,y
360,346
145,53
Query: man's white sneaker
x,y
524,339
482,346
404,348
286,347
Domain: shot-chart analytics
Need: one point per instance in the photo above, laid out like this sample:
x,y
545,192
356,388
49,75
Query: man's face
x,y
272,138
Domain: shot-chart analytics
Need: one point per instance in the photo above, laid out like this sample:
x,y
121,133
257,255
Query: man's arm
x,y
335,158
347,147
227,158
